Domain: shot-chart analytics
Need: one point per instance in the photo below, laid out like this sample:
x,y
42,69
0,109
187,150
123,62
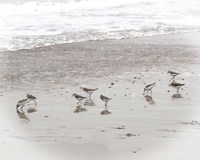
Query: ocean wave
x,y
40,23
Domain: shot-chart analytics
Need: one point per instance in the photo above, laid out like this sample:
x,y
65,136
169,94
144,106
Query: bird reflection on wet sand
x,y
22,115
89,102
79,109
149,99
177,96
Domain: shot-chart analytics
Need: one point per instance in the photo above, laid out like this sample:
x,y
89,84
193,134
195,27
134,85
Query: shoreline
x,y
178,34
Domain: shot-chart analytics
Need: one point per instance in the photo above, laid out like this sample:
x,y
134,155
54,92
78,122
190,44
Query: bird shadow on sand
x,y
177,96
149,99
79,109
89,102
22,114
105,112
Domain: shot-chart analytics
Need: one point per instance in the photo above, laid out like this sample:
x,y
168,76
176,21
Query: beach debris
x,y
112,83
167,130
130,135
122,127
133,81
191,123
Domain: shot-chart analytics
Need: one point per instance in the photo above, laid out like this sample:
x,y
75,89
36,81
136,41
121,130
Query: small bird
x,y
176,85
173,74
148,88
79,98
21,103
88,91
105,99
31,98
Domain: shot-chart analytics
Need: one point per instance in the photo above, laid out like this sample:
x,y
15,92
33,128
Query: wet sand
x,y
136,129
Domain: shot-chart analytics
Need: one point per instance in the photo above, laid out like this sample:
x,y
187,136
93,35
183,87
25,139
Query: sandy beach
x,y
169,129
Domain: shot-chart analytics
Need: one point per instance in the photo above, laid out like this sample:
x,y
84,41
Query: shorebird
x,y
79,98
176,85
21,103
89,91
105,99
173,74
148,88
31,98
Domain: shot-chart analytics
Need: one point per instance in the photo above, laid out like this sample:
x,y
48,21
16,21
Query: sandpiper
x,y
79,98
176,85
148,88
173,74
31,98
89,91
105,99
21,103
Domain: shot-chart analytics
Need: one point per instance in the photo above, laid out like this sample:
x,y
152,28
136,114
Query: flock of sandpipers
x,y
147,92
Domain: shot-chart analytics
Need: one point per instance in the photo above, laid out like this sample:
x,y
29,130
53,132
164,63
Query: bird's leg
x,y
79,103
89,96
106,105
178,90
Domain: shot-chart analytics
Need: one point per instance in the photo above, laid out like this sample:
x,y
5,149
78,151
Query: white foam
x,y
33,23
